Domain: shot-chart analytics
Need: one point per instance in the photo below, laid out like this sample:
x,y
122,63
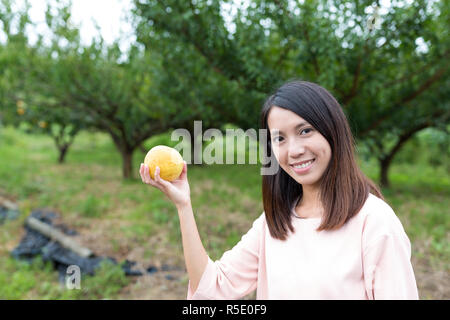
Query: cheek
x,y
278,153
323,150
326,154
281,157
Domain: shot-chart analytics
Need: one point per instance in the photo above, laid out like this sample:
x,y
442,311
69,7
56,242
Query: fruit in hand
x,y
169,161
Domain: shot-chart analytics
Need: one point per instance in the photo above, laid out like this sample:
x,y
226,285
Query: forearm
x,y
195,254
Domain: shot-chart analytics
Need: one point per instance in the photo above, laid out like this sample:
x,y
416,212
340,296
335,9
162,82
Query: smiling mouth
x,y
302,165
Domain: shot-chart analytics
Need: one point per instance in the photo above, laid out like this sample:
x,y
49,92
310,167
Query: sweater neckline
x,y
301,218
305,219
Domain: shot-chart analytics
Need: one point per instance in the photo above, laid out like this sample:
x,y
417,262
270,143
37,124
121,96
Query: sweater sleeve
x,y
388,272
234,275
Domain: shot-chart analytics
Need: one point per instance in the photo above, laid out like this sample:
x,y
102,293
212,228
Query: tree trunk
x,y
126,151
64,142
62,153
386,161
127,170
384,172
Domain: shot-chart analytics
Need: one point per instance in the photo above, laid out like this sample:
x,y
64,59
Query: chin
x,y
306,181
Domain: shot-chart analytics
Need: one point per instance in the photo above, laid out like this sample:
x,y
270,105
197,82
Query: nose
x,y
296,149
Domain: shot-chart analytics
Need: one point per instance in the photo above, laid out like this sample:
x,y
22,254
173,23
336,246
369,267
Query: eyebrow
x,y
298,126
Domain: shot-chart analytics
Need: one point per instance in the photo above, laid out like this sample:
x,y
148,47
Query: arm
x,y
178,192
195,254
388,272
235,274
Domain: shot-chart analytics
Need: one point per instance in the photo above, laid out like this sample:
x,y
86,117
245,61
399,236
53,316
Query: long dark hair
x,y
344,188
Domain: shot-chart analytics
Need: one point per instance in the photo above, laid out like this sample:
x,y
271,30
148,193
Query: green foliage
x,y
160,139
229,66
33,89
429,147
65,87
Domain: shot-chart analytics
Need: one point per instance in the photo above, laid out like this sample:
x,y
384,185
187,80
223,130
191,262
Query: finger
x,y
156,174
160,180
144,172
147,174
141,172
147,178
183,172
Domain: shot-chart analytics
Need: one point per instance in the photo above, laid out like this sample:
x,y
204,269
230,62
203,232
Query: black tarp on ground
x,y
34,243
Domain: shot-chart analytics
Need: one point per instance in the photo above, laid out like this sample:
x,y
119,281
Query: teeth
x,y
304,165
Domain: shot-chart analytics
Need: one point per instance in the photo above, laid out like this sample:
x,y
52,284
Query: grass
x,y
127,220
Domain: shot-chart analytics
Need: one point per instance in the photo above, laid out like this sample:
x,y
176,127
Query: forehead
x,y
283,119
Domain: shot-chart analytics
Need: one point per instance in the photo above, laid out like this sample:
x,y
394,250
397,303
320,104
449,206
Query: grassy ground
x,y
127,220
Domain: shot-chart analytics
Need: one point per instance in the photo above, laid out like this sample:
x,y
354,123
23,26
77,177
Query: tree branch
x,y
352,93
404,100
419,71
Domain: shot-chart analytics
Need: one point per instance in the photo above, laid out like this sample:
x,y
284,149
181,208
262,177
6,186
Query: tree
x,y
50,108
30,80
431,110
14,54
329,42
118,97
66,87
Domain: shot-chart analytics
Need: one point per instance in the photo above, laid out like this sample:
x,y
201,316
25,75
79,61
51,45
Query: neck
x,y
310,205
310,197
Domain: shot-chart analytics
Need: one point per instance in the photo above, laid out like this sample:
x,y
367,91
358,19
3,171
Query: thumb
x,y
183,174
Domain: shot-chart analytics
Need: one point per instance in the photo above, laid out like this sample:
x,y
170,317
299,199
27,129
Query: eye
x,y
277,139
306,131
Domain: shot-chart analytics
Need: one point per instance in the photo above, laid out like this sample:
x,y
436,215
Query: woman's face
x,y
299,148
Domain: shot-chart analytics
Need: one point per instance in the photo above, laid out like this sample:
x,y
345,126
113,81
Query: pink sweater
x,y
368,258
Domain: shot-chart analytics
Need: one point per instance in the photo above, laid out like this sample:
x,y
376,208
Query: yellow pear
x,y
169,161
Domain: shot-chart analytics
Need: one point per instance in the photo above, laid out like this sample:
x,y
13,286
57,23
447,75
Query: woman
x,y
325,233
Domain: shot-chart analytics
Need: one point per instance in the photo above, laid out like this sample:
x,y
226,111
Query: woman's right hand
x,y
177,191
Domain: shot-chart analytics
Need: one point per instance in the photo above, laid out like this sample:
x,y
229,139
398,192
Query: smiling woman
x,y
325,233
313,144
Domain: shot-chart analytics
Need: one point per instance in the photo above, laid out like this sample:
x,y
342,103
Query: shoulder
x,y
260,222
258,225
379,221
376,210
254,234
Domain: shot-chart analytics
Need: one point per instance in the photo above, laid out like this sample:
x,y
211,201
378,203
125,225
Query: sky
x,y
109,15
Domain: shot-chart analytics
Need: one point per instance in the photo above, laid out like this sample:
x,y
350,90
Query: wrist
x,y
184,205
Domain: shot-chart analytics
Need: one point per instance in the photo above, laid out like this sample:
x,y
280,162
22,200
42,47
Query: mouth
x,y
303,166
